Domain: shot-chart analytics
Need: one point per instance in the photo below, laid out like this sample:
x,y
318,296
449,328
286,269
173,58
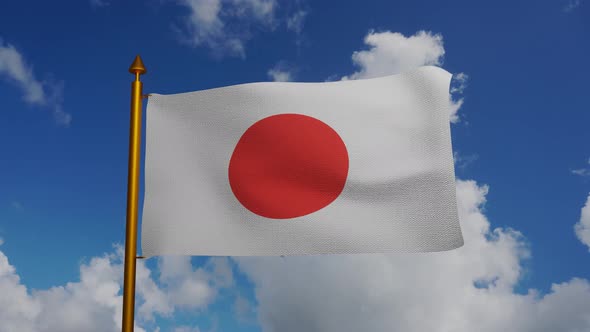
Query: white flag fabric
x,y
265,169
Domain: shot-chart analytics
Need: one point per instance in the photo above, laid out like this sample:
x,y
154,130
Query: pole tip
x,y
137,66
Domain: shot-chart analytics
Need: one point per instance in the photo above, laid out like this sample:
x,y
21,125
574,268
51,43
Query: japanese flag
x,y
344,167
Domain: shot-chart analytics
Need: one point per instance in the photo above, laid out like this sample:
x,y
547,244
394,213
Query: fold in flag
x,y
267,169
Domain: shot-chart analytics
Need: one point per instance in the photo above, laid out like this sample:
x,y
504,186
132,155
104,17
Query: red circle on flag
x,y
288,165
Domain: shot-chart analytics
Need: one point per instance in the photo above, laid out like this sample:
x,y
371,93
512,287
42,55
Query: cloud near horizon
x,y
94,303
468,289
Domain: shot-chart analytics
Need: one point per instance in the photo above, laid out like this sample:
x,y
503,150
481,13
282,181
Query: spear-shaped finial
x,y
137,66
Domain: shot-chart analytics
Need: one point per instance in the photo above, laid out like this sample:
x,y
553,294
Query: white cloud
x,y
221,270
17,309
14,68
462,161
186,329
208,23
454,109
460,83
94,302
261,9
467,289
392,53
244,310
571,5
582,228
155,299
458,86
282,72
583,171
280,75
186,287
295,22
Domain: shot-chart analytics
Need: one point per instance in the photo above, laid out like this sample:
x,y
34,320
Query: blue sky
x,y
520,140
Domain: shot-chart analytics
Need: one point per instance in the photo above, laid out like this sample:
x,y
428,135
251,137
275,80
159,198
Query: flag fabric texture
x,y
266,169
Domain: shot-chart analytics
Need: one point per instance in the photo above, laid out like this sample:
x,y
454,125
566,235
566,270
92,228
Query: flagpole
x,y
137,68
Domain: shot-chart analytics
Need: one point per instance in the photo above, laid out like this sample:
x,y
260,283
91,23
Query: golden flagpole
x,y
136,68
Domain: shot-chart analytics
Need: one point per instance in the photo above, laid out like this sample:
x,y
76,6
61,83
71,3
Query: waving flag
x,y
342,167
